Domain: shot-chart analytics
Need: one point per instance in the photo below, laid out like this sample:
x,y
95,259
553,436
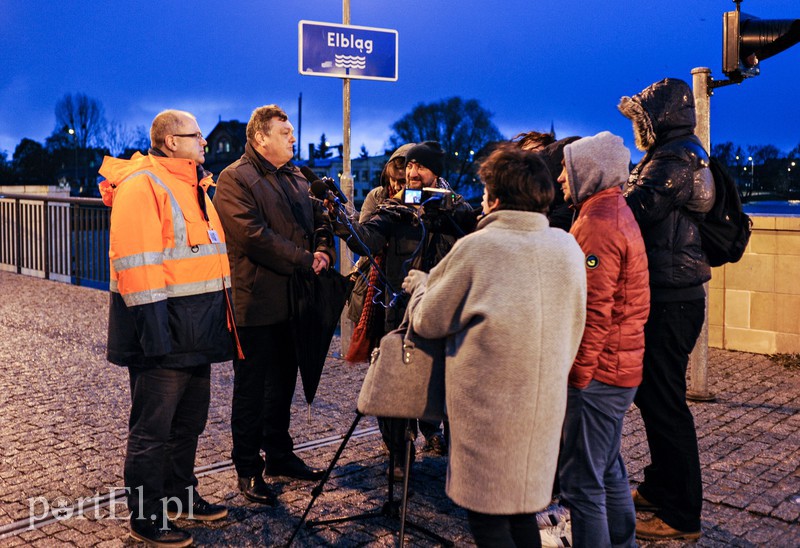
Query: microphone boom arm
x,y
344,220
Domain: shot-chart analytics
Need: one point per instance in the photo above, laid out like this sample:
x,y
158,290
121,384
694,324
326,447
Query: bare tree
x,y
83,115
6,168
32,163
763,153
724,153
120,139
462,127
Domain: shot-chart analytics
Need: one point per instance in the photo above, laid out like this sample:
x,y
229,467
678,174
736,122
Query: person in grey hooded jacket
x,y
667,191
608,367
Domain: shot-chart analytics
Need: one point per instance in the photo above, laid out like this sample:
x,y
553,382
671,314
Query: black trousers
x,y
263,387
393,432
169,409
672,479
504,531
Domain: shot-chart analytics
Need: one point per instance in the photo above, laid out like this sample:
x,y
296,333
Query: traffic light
x,y
747,40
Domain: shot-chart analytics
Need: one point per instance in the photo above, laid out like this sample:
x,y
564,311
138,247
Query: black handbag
x,y
405,378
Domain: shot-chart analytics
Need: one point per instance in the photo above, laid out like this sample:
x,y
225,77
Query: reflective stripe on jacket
x,y
167,276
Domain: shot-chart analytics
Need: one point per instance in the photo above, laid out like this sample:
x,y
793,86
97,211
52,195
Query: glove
x,y
415,280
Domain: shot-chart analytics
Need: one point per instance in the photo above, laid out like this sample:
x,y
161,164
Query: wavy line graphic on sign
x,y
350,61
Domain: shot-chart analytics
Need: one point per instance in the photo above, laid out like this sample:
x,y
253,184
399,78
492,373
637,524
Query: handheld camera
x,y
438,198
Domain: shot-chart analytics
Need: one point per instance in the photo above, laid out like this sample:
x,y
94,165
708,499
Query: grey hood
x,y
595,163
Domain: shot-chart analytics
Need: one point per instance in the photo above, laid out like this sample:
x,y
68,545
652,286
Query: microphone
x,y
308,174
335,189
320,190
327,181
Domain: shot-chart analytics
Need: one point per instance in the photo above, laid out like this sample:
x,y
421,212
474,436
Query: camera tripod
x,y
389,509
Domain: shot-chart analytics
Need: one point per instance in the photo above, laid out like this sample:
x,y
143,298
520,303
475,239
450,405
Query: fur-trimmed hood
x,y
658,110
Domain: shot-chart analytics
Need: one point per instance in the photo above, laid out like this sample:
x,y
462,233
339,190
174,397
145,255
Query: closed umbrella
x,y
316,302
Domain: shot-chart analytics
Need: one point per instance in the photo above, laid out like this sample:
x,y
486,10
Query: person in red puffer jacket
x,y
608,367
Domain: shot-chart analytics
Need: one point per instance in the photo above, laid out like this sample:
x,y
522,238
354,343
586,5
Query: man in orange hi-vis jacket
x,y
169,319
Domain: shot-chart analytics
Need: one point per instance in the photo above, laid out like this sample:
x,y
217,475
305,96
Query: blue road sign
x,y
347,51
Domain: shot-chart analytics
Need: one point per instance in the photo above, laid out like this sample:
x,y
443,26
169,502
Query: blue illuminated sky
x,y
529,62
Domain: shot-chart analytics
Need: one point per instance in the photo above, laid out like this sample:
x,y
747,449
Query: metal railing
x,y
62,239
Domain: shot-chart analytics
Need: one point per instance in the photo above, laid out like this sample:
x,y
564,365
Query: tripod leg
x,y
389,509
410,437
317,491
392,462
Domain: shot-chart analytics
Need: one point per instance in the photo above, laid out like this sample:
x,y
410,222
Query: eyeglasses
x,y
198,135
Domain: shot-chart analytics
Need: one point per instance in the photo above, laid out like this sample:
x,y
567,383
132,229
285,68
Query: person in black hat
x,y
424,164
415,236
367,315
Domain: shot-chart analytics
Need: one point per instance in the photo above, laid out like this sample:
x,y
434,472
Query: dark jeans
x,y
594,482
263,387
169,409
672,479
504,531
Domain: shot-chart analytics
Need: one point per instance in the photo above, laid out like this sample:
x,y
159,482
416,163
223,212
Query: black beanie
x,y
428,154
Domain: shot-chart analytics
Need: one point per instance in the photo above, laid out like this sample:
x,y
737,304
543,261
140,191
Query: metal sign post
x,y
346,182
346,51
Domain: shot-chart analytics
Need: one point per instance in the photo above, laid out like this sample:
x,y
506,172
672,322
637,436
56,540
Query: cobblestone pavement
x,y
63,413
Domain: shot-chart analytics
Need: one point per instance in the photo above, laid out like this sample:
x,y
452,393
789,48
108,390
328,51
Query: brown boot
x,y
655,529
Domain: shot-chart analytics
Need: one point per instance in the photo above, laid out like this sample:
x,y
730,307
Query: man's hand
x,y
415,280
320,262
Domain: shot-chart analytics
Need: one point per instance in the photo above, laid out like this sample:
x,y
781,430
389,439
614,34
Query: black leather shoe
x,y
437,444
201,509
159,532
292,467
255,490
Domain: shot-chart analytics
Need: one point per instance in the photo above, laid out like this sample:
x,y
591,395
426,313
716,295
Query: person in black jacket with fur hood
x,y
671,185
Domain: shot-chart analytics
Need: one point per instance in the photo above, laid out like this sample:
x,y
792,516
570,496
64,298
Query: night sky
x,y
531,63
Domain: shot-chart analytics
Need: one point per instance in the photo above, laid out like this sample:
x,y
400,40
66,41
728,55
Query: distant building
x,y
225,145
366,172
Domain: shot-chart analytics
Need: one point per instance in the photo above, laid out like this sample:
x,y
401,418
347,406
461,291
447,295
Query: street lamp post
x,y
72,132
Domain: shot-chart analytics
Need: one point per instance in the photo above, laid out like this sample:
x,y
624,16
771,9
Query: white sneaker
x,y
552,515
557,536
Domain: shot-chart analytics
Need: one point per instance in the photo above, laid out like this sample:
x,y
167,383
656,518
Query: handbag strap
x,y
407,319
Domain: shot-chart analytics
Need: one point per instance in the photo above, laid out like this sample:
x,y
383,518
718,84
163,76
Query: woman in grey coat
x,y
510,299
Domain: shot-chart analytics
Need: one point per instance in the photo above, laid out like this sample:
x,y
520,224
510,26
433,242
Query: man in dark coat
x,y
670,185
272,228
